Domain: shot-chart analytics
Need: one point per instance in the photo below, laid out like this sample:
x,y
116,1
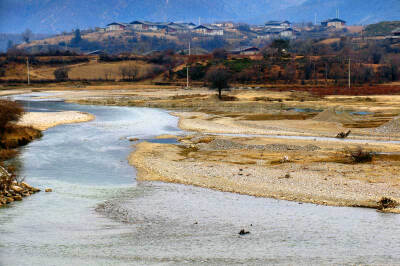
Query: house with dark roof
x,y
396,33
116,26
247,50
277,25
208,30
335,23
174,27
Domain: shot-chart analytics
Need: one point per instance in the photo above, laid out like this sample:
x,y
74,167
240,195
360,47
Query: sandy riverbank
x,y
256,166
46,120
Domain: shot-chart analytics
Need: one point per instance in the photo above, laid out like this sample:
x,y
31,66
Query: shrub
x,y
61,74
220,53
387,203
358,155
9,112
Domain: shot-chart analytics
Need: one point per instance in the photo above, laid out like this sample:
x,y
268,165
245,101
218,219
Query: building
x,y
208,30
189,25
98,29
268,35
224,24
335,23
248,50
277,25
173,27
116,26
287,34
161,26
138,25
396,33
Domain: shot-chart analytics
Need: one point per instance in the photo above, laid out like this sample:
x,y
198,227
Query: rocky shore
x,y
11,190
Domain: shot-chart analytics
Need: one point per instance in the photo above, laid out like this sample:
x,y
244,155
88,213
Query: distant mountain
x,y
60,15
353,11
52,16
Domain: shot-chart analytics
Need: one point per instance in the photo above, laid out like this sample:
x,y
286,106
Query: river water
x,y
165,224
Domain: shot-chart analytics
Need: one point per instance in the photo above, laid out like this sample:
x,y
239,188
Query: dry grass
x,y
6,154
16,136
185,151
99,70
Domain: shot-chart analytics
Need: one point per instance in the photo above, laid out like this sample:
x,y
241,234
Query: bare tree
x,y
218,78
123,71
133,71
129,71
107,73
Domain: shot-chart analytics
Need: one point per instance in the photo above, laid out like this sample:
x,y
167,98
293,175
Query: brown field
x,y
92,70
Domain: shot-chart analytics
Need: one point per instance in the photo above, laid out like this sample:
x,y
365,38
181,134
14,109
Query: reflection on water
x,y
86,165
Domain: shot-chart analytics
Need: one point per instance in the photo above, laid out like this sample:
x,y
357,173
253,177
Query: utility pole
x,y
326,74
27,67
187,69
349,73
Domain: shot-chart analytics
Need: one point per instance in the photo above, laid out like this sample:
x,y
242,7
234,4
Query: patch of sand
x,y
44,121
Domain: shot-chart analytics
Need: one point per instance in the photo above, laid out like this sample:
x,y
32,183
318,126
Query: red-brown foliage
x,y
9,111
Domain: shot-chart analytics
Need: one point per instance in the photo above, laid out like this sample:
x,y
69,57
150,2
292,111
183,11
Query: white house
x,y
224,24
287,34
208,30
336,23
277,25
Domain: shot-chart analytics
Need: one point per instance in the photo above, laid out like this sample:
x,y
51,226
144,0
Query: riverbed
x,y
99,215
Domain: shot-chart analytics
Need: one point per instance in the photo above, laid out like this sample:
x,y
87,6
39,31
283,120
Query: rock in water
x,y
244,232
17,189
48,190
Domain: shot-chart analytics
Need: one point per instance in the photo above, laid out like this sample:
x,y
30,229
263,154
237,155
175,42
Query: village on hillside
x,y
142,37
329,53
240,37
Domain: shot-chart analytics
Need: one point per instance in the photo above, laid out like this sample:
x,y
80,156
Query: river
x,y
165,224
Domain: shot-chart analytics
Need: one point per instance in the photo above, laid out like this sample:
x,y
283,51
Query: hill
x,y
61,15
54,16
353,11
382,28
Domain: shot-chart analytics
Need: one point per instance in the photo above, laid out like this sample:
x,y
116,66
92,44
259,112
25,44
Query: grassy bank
x,y
12,137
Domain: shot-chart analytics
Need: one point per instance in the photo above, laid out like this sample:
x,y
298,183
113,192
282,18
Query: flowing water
x,y
141,223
